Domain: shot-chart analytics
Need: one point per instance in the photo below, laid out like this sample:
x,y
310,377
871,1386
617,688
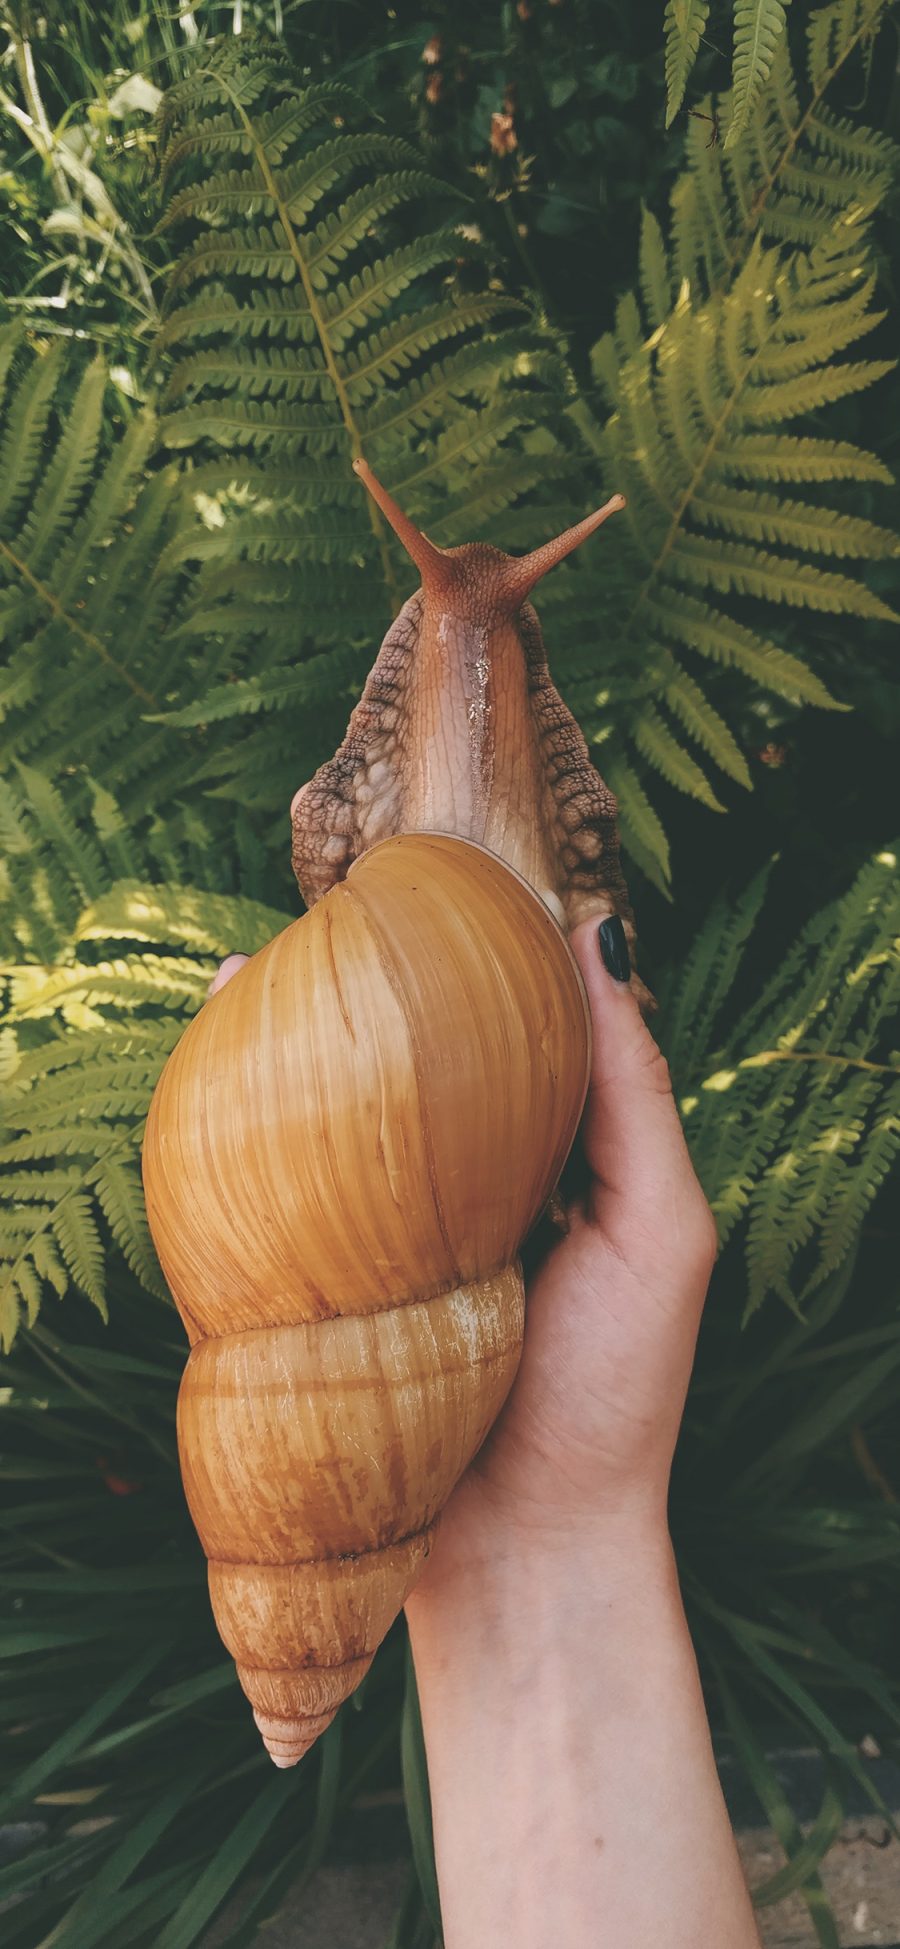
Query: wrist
x,y
507,1584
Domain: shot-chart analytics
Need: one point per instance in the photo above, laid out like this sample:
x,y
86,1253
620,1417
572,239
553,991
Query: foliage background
x,y
524,255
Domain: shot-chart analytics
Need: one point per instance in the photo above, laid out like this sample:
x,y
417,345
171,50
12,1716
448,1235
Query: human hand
x,y
584,1443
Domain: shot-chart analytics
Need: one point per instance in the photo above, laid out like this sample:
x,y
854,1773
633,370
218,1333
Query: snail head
x,y
476,579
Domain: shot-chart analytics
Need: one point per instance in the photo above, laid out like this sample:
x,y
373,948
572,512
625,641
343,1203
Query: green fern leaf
x,y
80,531
641,827
302,326
758,28
76,1233
656,744
720,637
702,561
48,1265
27,416
794,1121
690,1023
795,164
775,520
87,1032
120,1195
207,922
699,400
655,270
315,681
60,489
834,30
686,701
684,22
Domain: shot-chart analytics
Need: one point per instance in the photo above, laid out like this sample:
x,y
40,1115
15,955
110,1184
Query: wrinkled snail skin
x,y
342,1158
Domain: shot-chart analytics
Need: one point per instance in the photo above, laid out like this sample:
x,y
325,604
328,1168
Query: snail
x,y
352,1139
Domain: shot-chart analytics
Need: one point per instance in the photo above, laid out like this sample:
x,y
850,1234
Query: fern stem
x,y
765,1056
87,636
378,527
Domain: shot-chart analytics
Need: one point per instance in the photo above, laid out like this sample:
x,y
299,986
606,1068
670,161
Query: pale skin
x,y
574,1792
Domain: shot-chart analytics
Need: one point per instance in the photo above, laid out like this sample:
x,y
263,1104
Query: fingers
x,y
631,1132
229,967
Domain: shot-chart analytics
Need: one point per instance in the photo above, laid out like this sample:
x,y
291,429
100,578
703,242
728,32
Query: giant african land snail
x,y
351,1141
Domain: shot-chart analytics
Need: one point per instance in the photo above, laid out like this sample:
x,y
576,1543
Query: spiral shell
x,y
342,1157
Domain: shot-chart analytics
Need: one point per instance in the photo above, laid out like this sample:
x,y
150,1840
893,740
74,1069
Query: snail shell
x,y
342,1158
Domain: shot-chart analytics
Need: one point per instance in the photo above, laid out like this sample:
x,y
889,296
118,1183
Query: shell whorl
x,y
342,1158
316,1460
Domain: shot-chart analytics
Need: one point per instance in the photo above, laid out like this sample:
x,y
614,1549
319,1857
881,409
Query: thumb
x,y
631,1133
230,966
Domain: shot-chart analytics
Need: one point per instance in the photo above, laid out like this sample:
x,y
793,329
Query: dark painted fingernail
x,y
614,948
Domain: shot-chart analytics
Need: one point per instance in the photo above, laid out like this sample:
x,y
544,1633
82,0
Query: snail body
x,y
460,729
353,1138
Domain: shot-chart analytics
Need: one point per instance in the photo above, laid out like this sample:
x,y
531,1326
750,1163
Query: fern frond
x,y
834,31
303,326
220,134
657,745
758,28
794,162
61,486
774,520
686,701
75,1229
27,416
684,24
795,1120
80,531
208,923
120,1196
641,827
87,1029
704,562
720,637
699,402
655,270
691,1019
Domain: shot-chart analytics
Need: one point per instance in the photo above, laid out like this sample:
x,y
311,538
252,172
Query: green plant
x,y
758,28
314,310
191,590
794,1121
82,527
766,278
74,1102
72,188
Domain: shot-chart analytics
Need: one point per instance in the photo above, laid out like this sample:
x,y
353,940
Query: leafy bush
x,y
345,247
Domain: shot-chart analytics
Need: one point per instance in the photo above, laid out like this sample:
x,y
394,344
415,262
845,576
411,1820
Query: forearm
x,y
574,1791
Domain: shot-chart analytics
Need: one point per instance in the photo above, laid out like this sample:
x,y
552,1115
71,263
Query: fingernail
x,y
614,948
